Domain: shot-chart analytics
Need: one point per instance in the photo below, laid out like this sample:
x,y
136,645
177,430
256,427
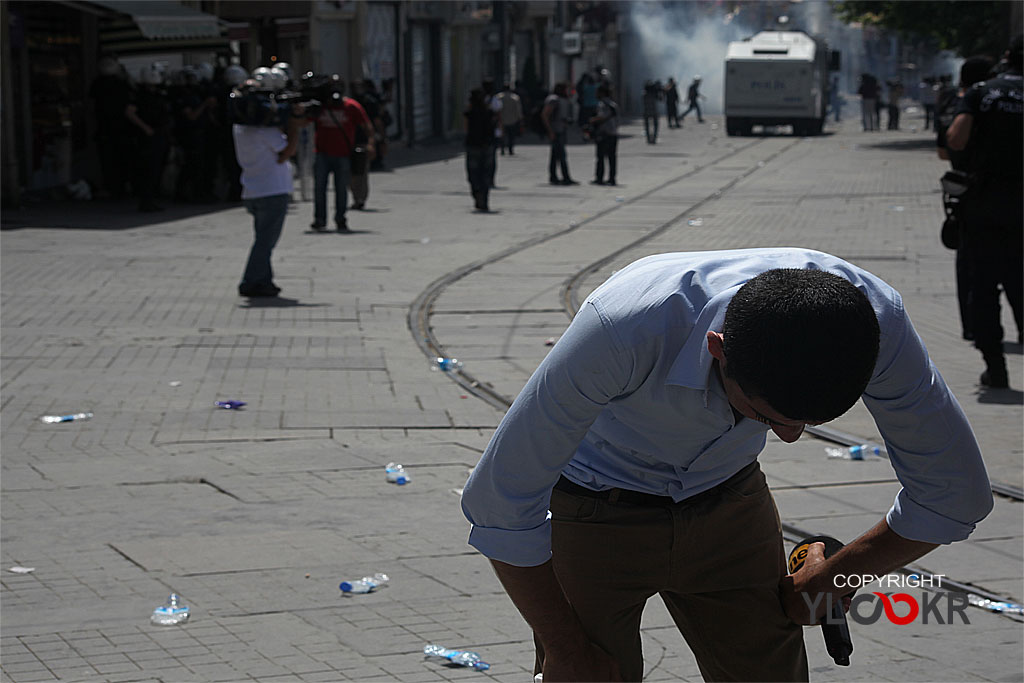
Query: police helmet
x,y
235,74
263,75
205,71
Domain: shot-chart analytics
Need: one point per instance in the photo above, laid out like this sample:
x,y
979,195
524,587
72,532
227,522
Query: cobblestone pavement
x,y
255,515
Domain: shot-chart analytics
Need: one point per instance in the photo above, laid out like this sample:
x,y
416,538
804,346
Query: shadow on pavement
x,y
1006,397
277,302
917,144
100,214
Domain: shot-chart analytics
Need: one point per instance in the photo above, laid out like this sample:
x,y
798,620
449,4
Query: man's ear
x,y
716,345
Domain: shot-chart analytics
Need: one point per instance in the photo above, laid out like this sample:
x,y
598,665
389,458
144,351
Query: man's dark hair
x,y
804,341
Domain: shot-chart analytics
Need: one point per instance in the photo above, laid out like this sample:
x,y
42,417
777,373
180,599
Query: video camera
x,y
259,105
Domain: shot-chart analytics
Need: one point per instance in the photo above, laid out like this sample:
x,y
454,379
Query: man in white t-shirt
x,y
263,152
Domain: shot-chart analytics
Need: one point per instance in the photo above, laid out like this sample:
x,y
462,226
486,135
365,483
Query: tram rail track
x,y
570,298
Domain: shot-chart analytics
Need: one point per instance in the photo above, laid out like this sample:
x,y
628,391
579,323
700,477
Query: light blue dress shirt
x,y
627,399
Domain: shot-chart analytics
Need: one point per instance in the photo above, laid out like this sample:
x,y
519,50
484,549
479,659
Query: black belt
x,y
645,499
615,495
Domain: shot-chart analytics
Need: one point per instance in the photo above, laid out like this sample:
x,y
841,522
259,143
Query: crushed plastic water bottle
x,y
171,613
396,474
695,222
367,584
229,405
446,364
460,657
53,419
995,605
853,452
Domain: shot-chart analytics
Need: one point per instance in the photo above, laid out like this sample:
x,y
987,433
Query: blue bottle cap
x,y
345,586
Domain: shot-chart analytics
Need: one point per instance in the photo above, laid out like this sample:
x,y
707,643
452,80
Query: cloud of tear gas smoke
x,y
676,41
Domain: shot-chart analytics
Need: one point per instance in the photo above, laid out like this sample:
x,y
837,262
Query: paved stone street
x,y
254,516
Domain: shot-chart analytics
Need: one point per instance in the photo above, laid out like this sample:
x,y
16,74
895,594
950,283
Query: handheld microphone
x,y
833,625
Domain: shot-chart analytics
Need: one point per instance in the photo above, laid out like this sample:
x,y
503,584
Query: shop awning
x,y
157,25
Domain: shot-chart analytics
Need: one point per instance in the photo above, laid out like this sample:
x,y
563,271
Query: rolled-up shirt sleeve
x,y
507,495
931,446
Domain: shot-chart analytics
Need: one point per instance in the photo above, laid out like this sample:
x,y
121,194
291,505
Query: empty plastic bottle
x,y
461,657
171,613
446,364
51,419
396,474
994,605
367,584
853,452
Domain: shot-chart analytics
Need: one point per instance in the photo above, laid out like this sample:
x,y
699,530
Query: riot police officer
x,y
989,121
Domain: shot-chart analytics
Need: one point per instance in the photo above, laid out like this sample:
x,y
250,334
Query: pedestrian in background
x,y
605,126
479,144
694,97
359,174
511,118
556,117
868,91
380,119
493,103
586,97
895,93
990,122
336,125
835,97
652,93
263,153
672,103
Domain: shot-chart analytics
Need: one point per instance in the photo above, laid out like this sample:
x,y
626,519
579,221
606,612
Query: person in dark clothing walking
x,y
672,103
479,147
556,116
605,125
989,121
652,93
694,96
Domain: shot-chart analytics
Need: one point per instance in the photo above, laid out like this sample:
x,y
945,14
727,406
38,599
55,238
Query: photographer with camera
x,y
263,148
336,125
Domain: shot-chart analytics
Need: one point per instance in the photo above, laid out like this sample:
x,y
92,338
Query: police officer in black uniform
x,y
974,70
990,123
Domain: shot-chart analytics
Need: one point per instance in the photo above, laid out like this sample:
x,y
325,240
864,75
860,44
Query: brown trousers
x,y
715,560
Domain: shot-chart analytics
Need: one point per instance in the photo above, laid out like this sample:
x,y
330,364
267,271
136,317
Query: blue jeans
x,y
322,168
268,218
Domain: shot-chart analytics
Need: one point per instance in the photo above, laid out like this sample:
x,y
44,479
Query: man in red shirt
x,y
336,126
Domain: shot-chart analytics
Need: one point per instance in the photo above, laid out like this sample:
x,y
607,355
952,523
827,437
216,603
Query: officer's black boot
x,y
995,375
